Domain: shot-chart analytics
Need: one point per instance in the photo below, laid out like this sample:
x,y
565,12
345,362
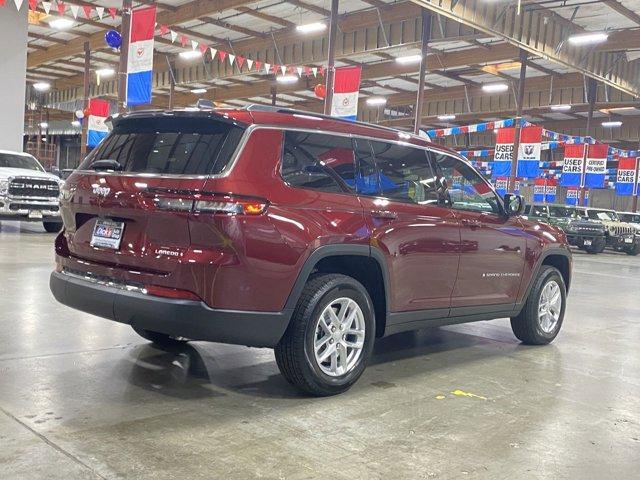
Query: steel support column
x,y
85,97
330,72
426,35
592,93
124,55
519,107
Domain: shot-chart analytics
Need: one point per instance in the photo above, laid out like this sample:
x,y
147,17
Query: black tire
x,y
526,326
633,250
52,227
159,339
597,246
295,354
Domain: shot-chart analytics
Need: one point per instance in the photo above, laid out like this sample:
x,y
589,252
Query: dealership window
x,y
318,161
466,188
405,173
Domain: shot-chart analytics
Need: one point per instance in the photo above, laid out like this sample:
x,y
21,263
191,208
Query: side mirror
x,y
513,204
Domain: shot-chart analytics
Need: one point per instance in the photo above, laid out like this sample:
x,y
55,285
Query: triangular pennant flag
x,y
222,55
232,58
291,69
60,7
100,12
174,35
2,2
314,70
112,12
321,71
203,48
213,52
18,3
307,71
240,61
194,44
87,10
283,69
164,29
33,4
47,7
299,70
267,67
249,63
258,65
183,40
74,10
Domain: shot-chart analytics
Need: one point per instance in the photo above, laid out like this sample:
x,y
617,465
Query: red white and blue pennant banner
x,y
573,165
140,58
529,150
346,85
544,190
596,167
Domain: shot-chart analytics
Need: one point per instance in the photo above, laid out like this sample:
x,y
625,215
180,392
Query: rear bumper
x,y
183,318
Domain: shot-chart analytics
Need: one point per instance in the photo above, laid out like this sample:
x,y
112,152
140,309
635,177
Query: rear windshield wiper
x,y
106,164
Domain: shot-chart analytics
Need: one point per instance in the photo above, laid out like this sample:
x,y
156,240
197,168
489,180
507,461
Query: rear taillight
x,y
208,203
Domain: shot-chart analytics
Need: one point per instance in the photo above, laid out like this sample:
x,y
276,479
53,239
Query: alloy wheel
x,y
339,337
549,306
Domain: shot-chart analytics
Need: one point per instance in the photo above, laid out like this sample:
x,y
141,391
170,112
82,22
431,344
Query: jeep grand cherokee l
x,y
300,232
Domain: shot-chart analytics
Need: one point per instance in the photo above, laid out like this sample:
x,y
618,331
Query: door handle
x,y
384,214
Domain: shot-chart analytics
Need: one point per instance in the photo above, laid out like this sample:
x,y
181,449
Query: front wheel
x,y
330,337
541,317
52,227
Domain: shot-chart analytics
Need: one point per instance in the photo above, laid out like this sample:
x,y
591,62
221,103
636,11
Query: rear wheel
x,y
160,339
52,227
330,337
541,317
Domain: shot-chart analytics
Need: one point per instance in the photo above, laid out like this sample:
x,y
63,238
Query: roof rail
x,y
272,108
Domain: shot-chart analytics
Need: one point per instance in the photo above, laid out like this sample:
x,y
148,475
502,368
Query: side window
x,y
405,173
467,189
318,161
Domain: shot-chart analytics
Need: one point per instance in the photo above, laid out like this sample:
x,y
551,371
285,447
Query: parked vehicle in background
x,y
582,232
300,232
631,218
27,192
621,236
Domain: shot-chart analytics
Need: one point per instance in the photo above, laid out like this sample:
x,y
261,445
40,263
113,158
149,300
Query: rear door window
x,y
318,161
171,145
405,173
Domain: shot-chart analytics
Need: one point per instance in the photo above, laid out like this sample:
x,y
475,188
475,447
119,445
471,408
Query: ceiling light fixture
x,y
376,101
612,124
42,86
190,54
61,23
560,108
287,79
409,59
311,27
43,125
105,72
76,123
495,87
588,38
198,91
446,118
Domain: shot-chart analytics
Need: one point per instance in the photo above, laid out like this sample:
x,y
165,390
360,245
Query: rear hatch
x,y
142,179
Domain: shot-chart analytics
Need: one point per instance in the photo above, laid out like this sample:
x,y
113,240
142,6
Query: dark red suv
x,y
311,235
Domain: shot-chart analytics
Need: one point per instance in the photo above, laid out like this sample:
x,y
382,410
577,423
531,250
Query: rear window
x,y
173,145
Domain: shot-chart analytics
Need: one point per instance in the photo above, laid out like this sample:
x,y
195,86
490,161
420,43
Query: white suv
x,y
27,192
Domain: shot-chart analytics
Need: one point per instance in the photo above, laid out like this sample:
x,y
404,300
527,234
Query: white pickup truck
x,y
27,192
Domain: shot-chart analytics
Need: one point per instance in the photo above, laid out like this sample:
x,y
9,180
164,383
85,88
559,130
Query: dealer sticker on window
x,y
107,234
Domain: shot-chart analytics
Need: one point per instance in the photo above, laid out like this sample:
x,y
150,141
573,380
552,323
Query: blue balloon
x,y
113,38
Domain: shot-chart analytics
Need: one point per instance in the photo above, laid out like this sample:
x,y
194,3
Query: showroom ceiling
x,y
373,33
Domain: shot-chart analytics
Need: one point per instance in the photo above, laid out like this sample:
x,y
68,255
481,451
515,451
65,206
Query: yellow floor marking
x,y
461,393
